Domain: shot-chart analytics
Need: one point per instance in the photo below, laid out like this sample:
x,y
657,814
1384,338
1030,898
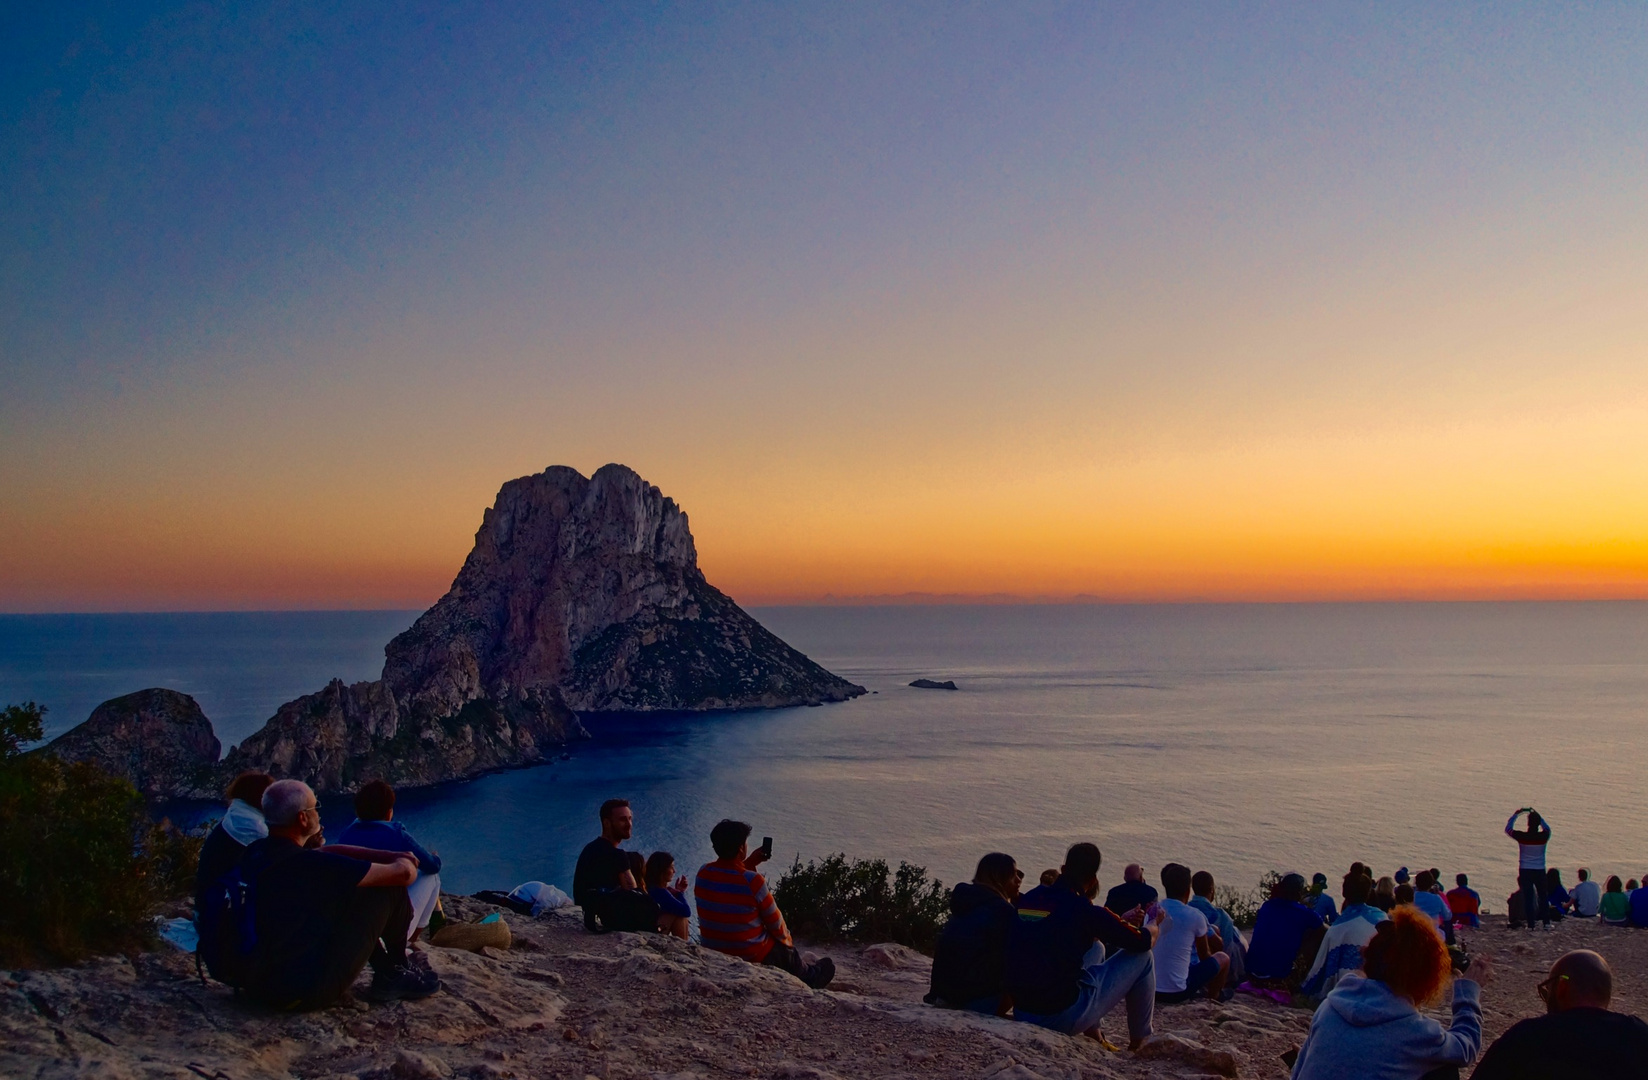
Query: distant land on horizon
x,y
921,599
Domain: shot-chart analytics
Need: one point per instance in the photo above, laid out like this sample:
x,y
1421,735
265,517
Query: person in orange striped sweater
x,y
737,915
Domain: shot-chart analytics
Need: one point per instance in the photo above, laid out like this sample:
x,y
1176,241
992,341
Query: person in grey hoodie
x,y
1371,1028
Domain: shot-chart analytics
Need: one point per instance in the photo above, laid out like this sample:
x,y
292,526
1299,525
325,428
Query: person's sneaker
x,y
823,972
402,984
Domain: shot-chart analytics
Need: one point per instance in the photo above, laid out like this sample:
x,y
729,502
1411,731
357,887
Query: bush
x,y
81,864
1243,907
862,900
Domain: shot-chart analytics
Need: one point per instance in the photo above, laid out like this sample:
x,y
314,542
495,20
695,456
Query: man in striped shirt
x,y
737,915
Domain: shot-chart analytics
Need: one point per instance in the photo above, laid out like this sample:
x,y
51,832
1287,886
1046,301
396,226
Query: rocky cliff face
x,y
581,595
592,587
157,739
343,736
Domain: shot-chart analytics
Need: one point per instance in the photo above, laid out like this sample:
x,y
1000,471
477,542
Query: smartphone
x,y
766,847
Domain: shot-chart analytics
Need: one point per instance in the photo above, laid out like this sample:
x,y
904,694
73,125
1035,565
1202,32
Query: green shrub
x,y
861,900
1243,907
81,864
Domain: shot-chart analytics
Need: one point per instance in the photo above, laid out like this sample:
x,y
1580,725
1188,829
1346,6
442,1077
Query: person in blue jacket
x,y
375,827
1371,1027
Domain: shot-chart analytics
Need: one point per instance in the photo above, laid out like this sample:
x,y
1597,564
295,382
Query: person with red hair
x,y
1371,1026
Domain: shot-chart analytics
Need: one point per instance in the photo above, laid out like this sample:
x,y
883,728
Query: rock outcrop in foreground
x,y
565,1003
157,739
581,596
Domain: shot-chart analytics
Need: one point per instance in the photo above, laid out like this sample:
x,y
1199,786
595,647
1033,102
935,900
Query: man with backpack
x,y
320,914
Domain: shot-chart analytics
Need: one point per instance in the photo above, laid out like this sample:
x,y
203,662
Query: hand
x,y
1158,915
1481,970
1134,916
755,858
681,883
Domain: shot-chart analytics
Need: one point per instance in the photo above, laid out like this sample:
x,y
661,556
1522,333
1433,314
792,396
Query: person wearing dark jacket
x,y
1057,968
970,962
242,825
1578,1036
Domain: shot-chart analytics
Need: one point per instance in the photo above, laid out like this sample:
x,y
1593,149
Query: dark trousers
x,y
788,959
372,927
1532,884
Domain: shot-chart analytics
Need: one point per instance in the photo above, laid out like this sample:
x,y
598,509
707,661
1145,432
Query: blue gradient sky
x,y
1247,301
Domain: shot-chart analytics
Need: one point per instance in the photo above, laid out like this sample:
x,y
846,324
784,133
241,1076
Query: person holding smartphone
x,y
737,914
1530,864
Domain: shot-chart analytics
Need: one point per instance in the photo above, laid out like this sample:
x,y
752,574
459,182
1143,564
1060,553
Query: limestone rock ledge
x,y
565,1003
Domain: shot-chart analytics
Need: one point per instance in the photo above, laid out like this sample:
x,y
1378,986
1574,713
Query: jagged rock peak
x,y
592,586
158,739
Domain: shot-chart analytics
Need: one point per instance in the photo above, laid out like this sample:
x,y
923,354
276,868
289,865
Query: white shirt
x,y
1587,898
1176,945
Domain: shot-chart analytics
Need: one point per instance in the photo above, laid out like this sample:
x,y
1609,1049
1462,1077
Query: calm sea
x,y
1236,738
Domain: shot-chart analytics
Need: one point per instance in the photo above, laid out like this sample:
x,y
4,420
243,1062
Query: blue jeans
x,y
1102,984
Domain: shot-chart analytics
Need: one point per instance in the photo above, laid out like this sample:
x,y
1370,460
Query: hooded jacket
x,y
1365,1030
970,961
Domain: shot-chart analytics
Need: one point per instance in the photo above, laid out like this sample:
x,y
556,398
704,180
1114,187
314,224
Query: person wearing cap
x,y
1319,900
1285,928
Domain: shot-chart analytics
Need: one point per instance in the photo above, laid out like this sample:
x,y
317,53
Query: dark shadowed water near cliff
x,y
1232,737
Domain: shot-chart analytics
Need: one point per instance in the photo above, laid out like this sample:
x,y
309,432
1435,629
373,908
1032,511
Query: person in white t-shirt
x,y
1188,957
1586,896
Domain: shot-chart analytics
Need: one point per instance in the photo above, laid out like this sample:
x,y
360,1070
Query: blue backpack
x,y
227,927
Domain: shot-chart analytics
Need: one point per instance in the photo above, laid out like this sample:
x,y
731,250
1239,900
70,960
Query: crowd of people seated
x,y
312,915
1371,961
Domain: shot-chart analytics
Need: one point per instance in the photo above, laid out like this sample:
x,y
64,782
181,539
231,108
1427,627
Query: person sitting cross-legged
x,y
1465,902
673,913
1616,903
969,962
737,915
1578,1036
1057,971
1133,892
1586,897
1189,957
1341,948
1284,931
375,827
322,913
1203,887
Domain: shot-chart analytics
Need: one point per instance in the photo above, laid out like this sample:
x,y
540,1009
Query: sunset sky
x,y
1255,301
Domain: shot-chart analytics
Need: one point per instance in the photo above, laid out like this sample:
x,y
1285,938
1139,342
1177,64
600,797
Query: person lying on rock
x,y
1057,970
674,916
1578,1036
321,914
970,961
736,913
375,827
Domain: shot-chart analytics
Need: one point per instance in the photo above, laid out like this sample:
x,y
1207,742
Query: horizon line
x,y
920,599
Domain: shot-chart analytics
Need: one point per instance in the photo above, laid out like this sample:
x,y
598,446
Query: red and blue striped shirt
x,y
736,913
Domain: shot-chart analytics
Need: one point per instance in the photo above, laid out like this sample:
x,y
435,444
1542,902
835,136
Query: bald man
x,y
1133,892
1577,1037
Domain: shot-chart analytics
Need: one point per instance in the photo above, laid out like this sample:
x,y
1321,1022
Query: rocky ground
x,y
564,1003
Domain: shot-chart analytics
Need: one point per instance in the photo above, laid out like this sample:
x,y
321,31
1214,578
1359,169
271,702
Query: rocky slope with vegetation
x,y
581,596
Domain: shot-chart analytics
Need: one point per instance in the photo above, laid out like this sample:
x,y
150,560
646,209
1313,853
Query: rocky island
x,y
581,596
